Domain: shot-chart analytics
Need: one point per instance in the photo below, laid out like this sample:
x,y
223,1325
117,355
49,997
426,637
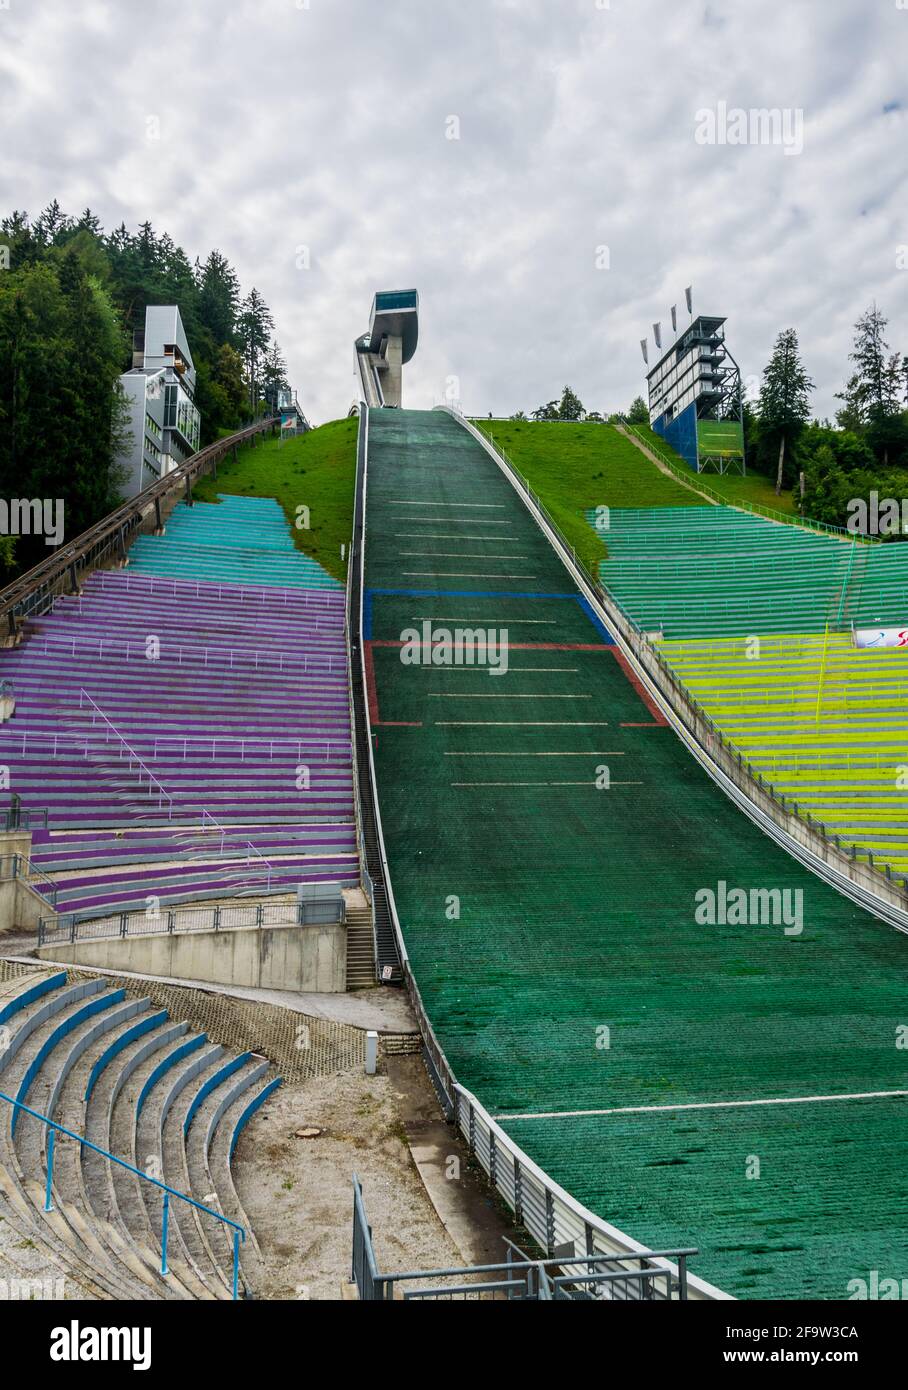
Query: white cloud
x,y
283,126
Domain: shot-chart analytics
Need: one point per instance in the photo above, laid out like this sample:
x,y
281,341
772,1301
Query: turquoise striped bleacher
x,y
238,540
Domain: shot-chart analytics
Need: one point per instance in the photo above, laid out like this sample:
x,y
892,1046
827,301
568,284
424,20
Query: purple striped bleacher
x,y
164,724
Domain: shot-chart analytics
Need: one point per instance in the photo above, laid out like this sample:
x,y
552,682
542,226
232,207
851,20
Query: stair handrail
x,y
152,779
53,1128
223,832
32,873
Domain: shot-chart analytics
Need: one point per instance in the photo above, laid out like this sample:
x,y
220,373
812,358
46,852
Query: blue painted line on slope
x,y
597,622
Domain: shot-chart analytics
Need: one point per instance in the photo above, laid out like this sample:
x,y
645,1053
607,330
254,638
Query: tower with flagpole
x,y
695,397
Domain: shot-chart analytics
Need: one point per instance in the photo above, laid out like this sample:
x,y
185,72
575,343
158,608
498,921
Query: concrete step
x,y
34,1031
111,1068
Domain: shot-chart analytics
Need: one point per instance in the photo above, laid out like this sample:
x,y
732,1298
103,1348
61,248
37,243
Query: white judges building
x,y
159,389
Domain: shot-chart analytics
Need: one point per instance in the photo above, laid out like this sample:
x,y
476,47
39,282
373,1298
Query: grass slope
x,y
575,467
316,470
755,489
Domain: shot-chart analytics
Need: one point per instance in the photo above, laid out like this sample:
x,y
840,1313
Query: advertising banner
x,y
881,637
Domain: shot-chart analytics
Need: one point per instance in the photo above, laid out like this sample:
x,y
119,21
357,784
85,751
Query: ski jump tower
x,y
390,342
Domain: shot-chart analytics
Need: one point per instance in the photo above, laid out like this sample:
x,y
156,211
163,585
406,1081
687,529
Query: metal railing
x,y
53,1129
692,713
263,596
19,866
686,475
216,659
135,761
520,1182
34,591
69,927
187,744
19,817
641,1275
252,850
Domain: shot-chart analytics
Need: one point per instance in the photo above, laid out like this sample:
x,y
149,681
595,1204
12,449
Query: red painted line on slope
x,y
660,720
372,693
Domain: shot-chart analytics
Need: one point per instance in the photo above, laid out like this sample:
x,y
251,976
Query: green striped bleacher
x,y
721,572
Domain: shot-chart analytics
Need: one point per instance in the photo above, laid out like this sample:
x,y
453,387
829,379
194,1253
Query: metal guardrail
x,y
262,596
53,1129
70,927
19,866
18,817
33,591
180,747
740,504
214,659
682,699
551,1214
520,1277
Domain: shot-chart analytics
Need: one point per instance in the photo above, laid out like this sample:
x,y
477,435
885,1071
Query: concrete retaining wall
x,y
307,959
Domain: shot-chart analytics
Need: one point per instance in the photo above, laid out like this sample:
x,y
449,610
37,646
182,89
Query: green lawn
x,y
316,470
575,467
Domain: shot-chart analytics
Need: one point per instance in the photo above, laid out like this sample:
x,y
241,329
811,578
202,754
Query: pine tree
x,y
274,369
88,222
873,395
50,223
873,375
254,328
570,407
784,406
218,297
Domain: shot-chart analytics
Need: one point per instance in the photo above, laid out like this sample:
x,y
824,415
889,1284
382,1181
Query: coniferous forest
x,y
71,294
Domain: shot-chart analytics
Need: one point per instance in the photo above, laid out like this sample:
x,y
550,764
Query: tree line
x,y
71,296
827,463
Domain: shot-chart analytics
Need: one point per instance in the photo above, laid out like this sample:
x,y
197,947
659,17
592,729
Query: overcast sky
x,y
326,125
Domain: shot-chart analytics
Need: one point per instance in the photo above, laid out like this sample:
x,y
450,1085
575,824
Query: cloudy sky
x,y
540,170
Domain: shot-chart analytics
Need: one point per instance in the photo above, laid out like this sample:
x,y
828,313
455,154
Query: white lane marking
x,y
461,574
424,502
521,723
591,753
456,520
457,555
447,536
497,695
701,1105
541,784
